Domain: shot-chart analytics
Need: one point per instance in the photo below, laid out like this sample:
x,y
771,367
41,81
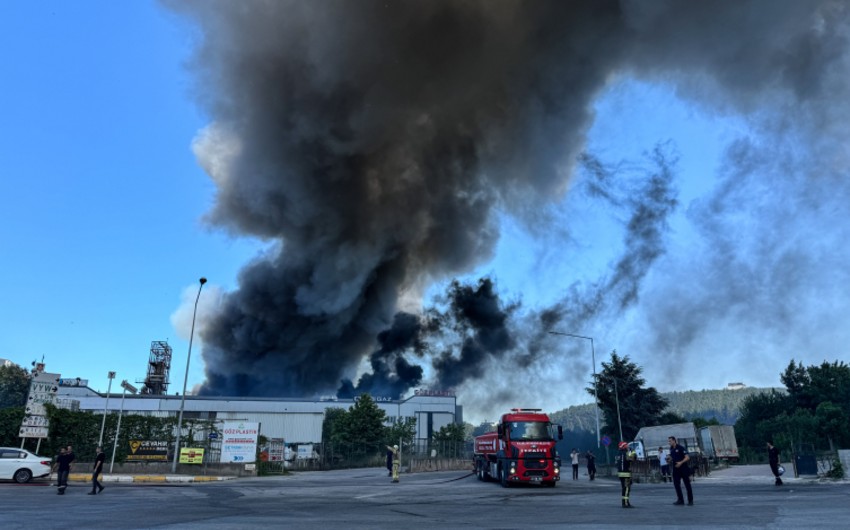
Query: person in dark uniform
x,y
62,467
681,471
624,472
97,487
389,462
591,464
773,459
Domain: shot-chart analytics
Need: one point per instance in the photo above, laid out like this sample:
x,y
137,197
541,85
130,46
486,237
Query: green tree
x,y
621,386
403,429
10,426
758,422
453,432
14,386
365,422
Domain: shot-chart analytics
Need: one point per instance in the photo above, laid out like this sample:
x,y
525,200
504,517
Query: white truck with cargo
x,y
718,442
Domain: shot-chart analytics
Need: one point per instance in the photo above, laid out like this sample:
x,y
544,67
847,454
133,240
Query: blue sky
x,y
103,237
101,229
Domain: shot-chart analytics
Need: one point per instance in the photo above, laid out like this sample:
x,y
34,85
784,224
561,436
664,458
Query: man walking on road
x,y
63,469
97,487
773,459
679,458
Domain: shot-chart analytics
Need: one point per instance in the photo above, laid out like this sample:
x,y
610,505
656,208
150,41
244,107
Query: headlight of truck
x,y
557,470
513,468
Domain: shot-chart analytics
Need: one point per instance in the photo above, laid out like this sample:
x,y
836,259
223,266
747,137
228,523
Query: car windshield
x,y
530,430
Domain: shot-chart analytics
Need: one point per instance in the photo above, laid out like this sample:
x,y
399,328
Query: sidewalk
x,y
104,478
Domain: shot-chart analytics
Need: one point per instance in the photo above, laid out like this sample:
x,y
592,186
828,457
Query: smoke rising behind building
x,y
375,146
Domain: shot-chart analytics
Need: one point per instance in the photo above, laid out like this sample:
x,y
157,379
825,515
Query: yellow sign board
x,y
189,455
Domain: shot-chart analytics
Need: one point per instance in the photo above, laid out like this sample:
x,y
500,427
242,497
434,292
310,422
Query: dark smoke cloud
x,y
375,142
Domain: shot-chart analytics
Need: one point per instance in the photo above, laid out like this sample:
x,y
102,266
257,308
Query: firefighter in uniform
x,y
396,461
624,471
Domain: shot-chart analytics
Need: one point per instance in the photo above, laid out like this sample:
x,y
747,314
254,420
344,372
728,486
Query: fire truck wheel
x,y
503,477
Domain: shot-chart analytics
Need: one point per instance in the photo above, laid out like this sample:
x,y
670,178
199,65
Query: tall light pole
x,y
111,376
595,382
617,399
127,388
186,380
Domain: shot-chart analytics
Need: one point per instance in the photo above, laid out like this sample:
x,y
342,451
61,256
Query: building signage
x,y
74,382
148,451
435,393
191,455
239,442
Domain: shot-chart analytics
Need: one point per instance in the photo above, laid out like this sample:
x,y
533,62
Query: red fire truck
x,y
521,450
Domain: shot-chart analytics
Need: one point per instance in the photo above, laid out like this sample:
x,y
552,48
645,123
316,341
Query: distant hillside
x,y
724,405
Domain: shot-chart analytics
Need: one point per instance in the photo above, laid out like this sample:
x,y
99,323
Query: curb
x,y
86,477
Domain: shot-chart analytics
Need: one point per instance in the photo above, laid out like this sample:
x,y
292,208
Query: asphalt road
x,y
355,499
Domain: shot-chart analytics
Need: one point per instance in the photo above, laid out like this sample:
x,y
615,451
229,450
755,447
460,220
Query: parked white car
x,y
21,466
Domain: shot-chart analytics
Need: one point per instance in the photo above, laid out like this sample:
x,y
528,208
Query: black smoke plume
x,y
373,143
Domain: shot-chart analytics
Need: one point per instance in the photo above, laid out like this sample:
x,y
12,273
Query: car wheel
x,y
22,476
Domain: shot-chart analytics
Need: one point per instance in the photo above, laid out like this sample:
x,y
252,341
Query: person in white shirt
x,y
574,457
664,460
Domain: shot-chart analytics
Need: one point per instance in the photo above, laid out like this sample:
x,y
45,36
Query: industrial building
x,y
298,421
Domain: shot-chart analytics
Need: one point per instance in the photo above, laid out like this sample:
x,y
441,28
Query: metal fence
x,y
346,456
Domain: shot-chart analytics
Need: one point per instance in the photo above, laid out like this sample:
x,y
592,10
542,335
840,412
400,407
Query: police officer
x,y
681,471
624,471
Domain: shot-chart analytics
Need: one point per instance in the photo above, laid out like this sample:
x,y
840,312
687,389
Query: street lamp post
x,y
111,376
186,380
617,400
595,382
127,388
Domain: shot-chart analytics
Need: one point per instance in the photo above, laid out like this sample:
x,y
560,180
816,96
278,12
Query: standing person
x,y
62,467
773,459
574,457
97,487
396,461
591,464
681,471
664,461
389,462
624,471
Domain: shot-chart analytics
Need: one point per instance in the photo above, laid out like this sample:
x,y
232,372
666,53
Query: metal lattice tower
x,y
159,366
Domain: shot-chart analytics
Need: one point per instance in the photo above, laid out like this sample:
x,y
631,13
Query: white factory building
x,y
295,420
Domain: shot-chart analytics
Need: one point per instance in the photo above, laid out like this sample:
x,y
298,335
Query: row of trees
x,y
813,413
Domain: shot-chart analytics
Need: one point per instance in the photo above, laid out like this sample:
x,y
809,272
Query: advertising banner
x,y
148,451
191,455
239,442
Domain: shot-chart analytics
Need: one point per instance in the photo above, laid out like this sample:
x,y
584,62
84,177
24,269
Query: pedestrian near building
x,y
396,455
681,471
624,472
664,462
62,467
97,487
591,464
574,460
389,462
773,459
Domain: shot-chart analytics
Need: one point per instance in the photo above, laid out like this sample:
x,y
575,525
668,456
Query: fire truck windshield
x,y
530,430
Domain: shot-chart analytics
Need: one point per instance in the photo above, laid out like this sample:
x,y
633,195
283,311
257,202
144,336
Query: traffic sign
x,y
606,441
213,435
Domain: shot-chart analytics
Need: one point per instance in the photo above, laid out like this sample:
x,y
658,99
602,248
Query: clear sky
x,y
103,234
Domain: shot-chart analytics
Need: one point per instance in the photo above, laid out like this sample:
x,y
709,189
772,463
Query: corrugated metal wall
x,y
292,427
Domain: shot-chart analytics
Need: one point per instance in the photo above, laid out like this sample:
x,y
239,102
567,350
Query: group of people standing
x,y
675,460
62,467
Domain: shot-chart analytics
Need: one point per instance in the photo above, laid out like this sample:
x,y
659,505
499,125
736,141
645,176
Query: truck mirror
x,y
500,429
560,432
